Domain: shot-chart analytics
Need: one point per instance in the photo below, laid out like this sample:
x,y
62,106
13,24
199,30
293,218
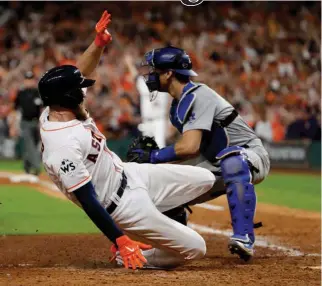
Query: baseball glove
x,y
140,149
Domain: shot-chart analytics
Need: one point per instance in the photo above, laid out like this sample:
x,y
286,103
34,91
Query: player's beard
x,y
80,112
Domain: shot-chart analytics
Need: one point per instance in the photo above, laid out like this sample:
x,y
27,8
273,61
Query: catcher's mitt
x,y
140,149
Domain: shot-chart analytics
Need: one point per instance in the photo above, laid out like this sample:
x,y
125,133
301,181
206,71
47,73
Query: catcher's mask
x,y
150,75
162,60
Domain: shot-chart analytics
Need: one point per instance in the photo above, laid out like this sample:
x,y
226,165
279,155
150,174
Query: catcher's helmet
x,y
170,58
62,86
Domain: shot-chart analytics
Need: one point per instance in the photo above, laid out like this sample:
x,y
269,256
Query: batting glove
x,y
130,251
103,37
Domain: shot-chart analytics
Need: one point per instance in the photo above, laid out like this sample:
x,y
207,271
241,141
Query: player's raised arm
x,y
90,58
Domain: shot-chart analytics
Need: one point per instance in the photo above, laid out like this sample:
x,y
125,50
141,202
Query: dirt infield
x,y
289,254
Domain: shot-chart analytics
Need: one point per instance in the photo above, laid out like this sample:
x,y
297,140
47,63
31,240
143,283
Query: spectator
x,y
253,55
263,127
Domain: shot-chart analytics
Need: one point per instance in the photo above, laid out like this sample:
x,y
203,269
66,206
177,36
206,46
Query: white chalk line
x,y
261,241
312,267
210,207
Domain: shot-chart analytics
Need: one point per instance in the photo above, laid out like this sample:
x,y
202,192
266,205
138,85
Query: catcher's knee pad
x,y
240,191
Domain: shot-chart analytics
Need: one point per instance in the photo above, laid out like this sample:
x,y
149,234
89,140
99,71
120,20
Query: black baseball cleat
x,y
242,246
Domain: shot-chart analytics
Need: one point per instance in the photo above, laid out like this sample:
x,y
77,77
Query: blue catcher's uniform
x,y
227,141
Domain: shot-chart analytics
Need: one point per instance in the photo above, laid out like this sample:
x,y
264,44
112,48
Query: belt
x,y
229,119
111,208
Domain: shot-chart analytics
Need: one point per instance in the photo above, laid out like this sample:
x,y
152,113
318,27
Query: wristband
x,y
163,155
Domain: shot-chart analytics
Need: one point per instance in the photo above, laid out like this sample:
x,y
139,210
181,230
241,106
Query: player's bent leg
x,y
175,243
217,190
241,198
171,185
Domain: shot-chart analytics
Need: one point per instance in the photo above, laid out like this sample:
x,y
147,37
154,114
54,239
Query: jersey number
x,y
96,145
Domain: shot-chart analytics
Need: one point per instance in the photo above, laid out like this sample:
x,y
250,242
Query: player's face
x,y
164,77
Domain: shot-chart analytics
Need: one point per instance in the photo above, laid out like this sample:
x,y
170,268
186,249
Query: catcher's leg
x,y
173,242
259,160
241,198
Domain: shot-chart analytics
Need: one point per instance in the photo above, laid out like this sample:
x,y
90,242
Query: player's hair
x,y
182,78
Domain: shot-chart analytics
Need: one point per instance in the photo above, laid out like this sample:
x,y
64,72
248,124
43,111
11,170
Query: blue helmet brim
x,y
186,72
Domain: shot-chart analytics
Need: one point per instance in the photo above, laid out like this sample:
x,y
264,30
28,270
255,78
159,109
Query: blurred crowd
x,y
264,57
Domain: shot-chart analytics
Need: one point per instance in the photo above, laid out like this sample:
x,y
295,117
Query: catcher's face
x,y
165,80
156,79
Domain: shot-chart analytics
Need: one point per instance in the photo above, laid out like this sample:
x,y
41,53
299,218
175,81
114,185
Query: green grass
x,y
13,165
27,211
9,165
292,190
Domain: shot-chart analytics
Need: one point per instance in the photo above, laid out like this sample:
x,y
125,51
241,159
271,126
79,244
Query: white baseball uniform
x,y
153,113
75,153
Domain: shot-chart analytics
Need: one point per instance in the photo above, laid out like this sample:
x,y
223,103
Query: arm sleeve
x,y
87,198
201,115
67,163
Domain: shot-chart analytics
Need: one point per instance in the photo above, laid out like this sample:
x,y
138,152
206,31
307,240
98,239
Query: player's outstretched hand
x,y
103,37
130,251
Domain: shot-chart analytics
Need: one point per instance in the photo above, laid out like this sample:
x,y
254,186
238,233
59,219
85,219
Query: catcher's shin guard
x,y
242,202
241,194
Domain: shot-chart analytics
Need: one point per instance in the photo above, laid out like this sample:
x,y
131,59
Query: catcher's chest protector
x,y
180,110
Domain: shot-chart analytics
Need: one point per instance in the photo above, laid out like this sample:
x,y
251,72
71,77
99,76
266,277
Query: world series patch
x,y
67,167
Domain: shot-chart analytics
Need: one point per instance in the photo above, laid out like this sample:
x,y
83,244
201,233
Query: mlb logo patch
x,y
67,167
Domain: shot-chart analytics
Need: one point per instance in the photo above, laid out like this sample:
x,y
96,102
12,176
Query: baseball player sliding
x,y
120,198
213,135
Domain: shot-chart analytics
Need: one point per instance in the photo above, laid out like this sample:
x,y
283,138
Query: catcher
x,y
214,137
